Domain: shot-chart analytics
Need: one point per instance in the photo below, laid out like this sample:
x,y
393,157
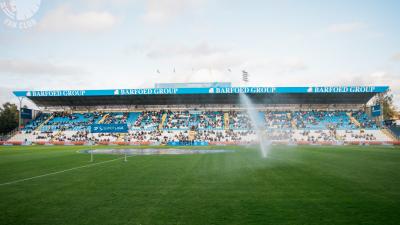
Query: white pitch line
x,y
62,171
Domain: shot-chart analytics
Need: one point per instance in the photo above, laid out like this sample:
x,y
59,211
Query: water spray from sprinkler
x,y
256,124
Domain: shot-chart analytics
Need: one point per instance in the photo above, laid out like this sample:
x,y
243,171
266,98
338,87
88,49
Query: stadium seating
x,y
132,117
202,120
320,120
210,120
239,121
364,120
33,124
395,130
278,120
74,121
148,120
116,118
211,126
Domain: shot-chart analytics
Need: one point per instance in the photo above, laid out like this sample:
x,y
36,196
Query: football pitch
x,y
294,185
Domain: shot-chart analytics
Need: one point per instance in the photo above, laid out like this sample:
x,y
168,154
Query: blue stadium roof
x,y
212,95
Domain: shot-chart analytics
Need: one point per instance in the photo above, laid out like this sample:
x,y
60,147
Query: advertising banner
x,y
209,90
109,128
376,110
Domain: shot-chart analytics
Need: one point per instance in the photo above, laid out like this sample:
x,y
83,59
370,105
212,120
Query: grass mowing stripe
x,y
58,172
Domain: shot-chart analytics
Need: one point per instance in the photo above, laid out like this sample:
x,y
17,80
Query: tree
x,y
9,115
386,102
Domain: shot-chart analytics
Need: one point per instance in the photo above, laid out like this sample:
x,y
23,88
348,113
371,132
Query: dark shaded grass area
x,y
295,185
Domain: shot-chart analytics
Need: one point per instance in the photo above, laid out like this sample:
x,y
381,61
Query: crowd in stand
x,y
154,135
116,118
33,124
194,120
363,119
209,126
222,136
80,136
278,120
177,120
317,136
279,135
63,121
329,119
362,135
239,120
208,120
148,120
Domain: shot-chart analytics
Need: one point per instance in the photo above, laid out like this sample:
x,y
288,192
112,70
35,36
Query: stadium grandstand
x,y
204,114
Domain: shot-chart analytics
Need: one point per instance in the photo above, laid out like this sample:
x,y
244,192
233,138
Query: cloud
x,y
396,57
228,68
346,27
202,55
198,50
162,11
6,95
206,62
206,56
63,19
376,78
24,67
277,65
105,2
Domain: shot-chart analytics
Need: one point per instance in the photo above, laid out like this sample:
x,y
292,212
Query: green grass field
x,y
295,185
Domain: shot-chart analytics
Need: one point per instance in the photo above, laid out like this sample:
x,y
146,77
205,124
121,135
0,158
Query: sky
x,y
100,44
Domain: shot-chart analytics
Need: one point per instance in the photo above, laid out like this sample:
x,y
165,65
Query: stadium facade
x,y
204,114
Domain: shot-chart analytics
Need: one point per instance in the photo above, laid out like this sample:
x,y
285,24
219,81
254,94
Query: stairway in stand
x,y
192,135
390,134
226,121
353,120
42,124
104,118
163,118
